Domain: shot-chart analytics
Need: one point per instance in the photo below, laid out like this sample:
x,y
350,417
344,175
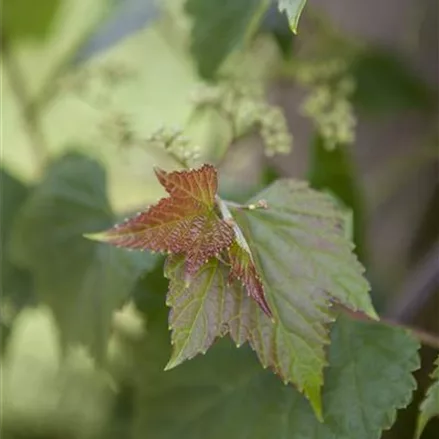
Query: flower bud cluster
x,y
245,107
329,103
176,144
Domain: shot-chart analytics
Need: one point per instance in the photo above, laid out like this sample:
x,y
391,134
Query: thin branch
x,y
424,337
260,204
418,289
28,111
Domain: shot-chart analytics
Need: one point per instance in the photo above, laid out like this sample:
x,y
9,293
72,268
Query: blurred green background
x,y
96,78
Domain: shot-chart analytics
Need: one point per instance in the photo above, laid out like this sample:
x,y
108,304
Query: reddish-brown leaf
x,y
243,268
185,222
197,187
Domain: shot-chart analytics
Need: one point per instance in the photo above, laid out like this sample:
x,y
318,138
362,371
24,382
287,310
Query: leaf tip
x,y
314,396
172,363
293,27
99,236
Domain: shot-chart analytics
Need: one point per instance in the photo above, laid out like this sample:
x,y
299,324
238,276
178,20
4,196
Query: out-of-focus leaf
x,y
150,291
276,23
293,9
15,283
219,27
28,19
227,394
43,396
13,193
385,83
142,98
334,171
82,282
128,17
430,406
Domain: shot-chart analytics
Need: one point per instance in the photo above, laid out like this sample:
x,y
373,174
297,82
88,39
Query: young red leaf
x,y
243,268
185,222
197,187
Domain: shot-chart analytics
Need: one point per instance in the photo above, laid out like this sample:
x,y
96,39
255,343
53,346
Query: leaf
x,y
15,283
305,264
430,406
226,394
385,84
124,19
243,268
334,171
276,24
301,273
27,19
293,9
82,282
219,28
196,315
185,222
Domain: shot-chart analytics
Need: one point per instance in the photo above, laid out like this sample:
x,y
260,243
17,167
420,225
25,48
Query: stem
x,y
260,204
28,111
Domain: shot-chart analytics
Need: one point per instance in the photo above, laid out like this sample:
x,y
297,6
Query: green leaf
x,y
28,19
293,9
277,24
227,394
334,171
301,273
196,315
15,283
82,282
385,84
305,262
430,406
219,27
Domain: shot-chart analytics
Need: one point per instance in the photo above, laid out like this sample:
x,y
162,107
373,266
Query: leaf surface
x,y
243,269
185,222
196,315
430,406
219,28
305,263
34,23
15,283
293,9
81,281
227,394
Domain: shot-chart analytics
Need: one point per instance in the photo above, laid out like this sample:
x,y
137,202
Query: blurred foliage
x,y
48,241
28,19
84,326
333,170
220,27
430,406
385,83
